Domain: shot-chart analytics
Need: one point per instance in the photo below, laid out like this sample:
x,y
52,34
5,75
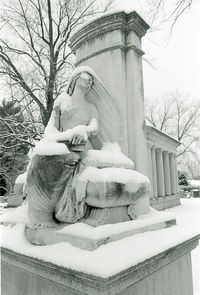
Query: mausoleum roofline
x,y
151,129
120,20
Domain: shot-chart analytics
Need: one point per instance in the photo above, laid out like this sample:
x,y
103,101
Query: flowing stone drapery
x,y
167,179
160,173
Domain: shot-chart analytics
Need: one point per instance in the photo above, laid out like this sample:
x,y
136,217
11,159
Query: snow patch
x,y
120,175
109,155
64,101
21,178
18,215
194,183
104,231
48,147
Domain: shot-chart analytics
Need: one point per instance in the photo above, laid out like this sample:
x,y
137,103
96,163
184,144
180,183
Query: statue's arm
x,y
92,128
82,132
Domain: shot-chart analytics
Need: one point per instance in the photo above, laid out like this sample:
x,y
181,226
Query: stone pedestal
x,y
166,273
111,46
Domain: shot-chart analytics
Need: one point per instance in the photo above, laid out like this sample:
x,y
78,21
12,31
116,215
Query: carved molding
x,y
119,46
96,285
108,23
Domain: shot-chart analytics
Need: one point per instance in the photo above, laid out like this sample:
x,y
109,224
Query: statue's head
x,y
84,81
83,78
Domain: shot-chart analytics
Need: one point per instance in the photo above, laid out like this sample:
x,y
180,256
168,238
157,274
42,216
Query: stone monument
x,y
84,189
83,177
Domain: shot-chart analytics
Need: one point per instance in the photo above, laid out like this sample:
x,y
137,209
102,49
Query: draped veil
x,y
110,118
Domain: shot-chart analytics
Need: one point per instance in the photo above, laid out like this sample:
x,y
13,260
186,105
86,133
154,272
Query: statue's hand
x,y
77,139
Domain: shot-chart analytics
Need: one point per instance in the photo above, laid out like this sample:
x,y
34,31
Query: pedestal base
x,y
87,237
167,273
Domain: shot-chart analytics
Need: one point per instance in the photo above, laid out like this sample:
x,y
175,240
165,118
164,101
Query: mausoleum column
x,y
172,173
150,168
154,172
167,179
160,173
176,175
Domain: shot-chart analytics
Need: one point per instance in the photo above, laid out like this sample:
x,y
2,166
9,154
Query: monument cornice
x,y
108,23
119,46
83,283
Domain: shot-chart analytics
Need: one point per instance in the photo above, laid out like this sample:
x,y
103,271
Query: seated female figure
x,y
83,118
59,157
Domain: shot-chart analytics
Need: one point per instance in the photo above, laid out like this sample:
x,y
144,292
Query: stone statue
x,y
77,172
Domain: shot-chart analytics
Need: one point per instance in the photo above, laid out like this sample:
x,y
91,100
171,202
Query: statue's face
x,y
85,82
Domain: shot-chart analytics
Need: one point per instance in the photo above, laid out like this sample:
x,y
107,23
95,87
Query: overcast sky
x,y
178,63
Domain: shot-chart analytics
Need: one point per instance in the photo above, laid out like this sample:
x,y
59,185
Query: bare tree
x,y
162,12
177,116
35,57
16,138
193,169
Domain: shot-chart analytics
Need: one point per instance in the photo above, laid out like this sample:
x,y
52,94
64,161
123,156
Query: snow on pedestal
x,y
114,267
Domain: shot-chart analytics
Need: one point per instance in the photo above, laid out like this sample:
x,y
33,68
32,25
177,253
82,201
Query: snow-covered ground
x,y
195,183
189,213
188,220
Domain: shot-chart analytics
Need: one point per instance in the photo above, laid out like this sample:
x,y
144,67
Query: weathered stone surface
x,y
110,215
166,273
113,194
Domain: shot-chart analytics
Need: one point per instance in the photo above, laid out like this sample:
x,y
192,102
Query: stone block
x,y
165,273
113,194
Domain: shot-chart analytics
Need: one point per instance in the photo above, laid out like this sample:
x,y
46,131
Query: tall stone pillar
x,y
166,173
111,46
154,172
176,173
150,169
160,173
173,174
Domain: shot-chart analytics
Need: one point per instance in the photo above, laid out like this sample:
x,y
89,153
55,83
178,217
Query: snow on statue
x,y
77,171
